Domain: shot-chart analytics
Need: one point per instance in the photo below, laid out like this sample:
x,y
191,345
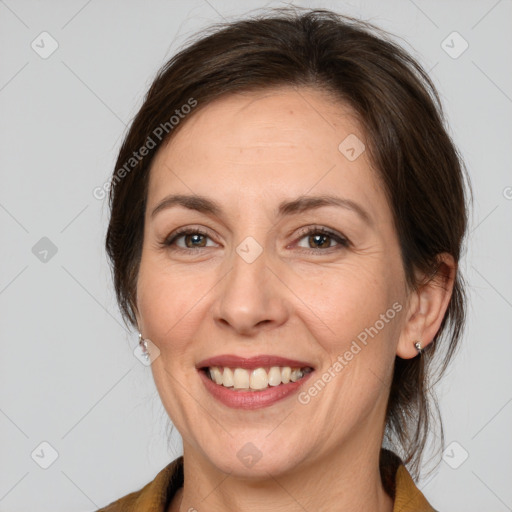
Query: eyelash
x,y
170,240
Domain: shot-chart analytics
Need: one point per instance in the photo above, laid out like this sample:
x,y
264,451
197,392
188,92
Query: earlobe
x,y
427,308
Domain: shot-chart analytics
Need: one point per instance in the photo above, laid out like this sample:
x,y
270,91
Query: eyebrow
x,y
205,205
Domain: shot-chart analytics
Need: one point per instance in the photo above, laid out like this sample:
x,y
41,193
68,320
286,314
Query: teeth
x,y
274,376
285,374
296,375
227,378
240,378
217,376
257,379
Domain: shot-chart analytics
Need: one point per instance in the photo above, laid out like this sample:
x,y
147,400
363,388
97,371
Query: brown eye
x,y
193,239
320,240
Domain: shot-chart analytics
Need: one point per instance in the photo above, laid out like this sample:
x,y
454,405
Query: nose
x,y
251,298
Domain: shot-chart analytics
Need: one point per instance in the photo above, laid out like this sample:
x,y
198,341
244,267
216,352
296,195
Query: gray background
x,y
68,376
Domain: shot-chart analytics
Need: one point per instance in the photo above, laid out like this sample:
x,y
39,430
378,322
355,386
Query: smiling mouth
x,y
257,379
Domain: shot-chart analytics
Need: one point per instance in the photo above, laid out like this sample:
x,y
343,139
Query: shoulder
x,y
155,495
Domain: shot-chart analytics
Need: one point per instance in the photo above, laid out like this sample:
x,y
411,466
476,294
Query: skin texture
x,y
302,297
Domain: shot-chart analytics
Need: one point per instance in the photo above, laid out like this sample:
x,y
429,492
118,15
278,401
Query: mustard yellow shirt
x,y
158,494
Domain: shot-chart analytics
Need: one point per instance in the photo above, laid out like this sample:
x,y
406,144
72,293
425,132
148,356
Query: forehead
x,y
277,141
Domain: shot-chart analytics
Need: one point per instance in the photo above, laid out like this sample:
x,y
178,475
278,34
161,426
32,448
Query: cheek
x,y
341,302
354,315
167,301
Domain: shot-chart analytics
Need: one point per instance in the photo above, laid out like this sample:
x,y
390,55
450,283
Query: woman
x,y
287,217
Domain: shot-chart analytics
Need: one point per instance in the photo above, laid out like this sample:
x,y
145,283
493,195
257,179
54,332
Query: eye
x,y
321,239
318,237
193,238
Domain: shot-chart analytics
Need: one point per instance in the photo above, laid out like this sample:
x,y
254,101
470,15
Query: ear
x,y
426,308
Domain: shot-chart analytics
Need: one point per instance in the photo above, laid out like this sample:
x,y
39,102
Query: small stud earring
x,y
144,346
417,344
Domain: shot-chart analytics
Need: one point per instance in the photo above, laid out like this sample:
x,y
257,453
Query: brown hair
x,y
401,114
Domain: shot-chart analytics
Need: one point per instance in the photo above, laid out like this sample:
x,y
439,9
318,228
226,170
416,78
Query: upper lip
x,y
232,361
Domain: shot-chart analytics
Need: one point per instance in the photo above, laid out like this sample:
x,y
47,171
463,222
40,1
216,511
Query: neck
x,y
345,480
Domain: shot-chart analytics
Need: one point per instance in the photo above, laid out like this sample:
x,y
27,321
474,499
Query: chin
x,y
255,460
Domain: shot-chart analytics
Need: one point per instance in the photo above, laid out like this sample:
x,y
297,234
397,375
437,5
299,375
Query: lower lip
x,y
251,399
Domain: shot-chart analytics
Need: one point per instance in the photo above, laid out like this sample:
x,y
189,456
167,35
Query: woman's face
x,y
262,279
